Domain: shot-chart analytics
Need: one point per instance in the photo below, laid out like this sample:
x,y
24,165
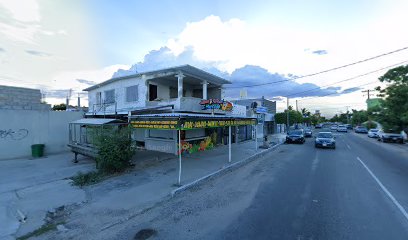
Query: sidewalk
x,y
31,187
118,198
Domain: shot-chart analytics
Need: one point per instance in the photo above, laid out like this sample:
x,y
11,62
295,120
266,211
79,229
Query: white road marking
x,y
401,208
315,163
348,146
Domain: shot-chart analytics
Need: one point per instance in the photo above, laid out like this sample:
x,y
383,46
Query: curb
x,y
222,171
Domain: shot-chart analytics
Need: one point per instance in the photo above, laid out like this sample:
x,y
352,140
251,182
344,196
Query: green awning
x,y
187,121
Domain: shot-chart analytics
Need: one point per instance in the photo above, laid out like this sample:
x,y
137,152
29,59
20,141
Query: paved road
x,y
357,191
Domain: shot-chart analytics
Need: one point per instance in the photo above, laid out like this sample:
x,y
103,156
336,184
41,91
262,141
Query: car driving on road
x,y
341,128
308,132
325,140
360,129
390,136
295,136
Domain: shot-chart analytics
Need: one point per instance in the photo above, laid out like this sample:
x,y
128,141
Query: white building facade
x,y
167,92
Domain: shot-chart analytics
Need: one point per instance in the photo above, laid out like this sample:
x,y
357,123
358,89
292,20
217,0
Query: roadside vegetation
x,y
42,230
115,150
391,111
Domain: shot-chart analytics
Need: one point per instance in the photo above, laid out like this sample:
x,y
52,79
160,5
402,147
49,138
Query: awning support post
x,y
256,139
179,152
229,144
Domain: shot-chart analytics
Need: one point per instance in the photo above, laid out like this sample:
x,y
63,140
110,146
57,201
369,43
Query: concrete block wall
x,y
19,129
21,99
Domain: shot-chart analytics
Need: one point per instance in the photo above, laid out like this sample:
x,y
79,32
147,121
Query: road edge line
x,y
399,206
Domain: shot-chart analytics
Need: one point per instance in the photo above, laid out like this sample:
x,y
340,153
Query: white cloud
x,y
66,80
23,22
21,33
235,43
22,10
69,78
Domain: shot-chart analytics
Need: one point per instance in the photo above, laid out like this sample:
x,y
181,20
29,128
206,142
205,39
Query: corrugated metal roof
x,y
97,121
185,69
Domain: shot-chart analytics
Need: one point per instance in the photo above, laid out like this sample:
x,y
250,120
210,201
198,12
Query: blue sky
x,y
142,25
58,45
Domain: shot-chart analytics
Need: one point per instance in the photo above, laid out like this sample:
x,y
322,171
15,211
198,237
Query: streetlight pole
x,y
287,114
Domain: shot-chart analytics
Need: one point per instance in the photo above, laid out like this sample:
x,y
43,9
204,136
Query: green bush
x,y
370,125
84,179
114,148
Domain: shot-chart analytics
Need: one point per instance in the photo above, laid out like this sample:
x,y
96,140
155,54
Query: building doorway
x,y
152,92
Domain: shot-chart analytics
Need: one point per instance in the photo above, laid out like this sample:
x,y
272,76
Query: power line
x,y
324,71
349,79
337,92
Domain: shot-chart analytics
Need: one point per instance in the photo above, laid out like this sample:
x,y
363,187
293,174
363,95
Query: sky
x,y
60,45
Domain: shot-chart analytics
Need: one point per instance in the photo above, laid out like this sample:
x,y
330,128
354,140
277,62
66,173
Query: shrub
x,y
83,179
370,125
114,148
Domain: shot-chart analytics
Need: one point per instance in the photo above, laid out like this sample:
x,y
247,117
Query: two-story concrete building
x,y
168,104
178,88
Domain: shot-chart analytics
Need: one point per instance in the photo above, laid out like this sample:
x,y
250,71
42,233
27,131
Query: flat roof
x,y
187,70
96,121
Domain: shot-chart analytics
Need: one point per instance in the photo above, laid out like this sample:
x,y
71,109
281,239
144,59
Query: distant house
x,y
166,104
264,110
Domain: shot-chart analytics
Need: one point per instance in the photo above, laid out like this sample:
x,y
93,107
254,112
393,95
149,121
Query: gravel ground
x,y
199,213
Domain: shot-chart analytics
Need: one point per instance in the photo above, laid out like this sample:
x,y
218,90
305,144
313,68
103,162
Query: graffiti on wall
x,y
14,135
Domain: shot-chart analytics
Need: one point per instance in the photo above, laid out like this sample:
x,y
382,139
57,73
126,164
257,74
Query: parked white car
x,y
373,133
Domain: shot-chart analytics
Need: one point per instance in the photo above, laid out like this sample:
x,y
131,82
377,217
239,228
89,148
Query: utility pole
x,y
368,93
79,102
68,97
297,106
348,119
287,114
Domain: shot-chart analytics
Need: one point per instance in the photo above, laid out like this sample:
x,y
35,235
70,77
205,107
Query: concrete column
x,y
229,144
205,89
180,77
179,148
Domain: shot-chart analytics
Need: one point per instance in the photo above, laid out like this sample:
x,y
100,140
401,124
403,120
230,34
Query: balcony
x,y
181,104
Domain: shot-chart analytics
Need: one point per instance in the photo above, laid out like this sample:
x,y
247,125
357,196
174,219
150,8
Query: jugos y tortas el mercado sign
x,y
192,124
216,104
186,124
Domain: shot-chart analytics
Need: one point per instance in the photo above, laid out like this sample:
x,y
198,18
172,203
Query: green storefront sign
x,y
186,124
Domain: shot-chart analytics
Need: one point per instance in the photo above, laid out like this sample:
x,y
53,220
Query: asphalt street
x,y
356,191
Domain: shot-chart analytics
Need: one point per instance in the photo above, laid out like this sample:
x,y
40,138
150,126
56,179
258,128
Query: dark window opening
x,y
152,92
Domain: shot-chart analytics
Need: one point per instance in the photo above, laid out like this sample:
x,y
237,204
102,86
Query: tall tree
x,y
394,114
59,107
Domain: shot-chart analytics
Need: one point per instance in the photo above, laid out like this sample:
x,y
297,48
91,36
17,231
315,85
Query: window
x,y
132,93
98,98
110,96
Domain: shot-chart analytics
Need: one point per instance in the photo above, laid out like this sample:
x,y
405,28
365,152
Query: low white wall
x,y
19,129
161,145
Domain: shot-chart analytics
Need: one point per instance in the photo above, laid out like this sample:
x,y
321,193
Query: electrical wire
x,y
337,92
324,71
348,79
